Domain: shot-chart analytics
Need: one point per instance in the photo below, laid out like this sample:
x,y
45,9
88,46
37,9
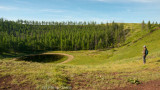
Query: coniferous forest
x,y
22,35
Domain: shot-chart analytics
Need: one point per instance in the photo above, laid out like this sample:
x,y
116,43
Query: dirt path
x,y
70,57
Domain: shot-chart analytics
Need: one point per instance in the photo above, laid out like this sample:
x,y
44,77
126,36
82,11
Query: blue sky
x,y
128,11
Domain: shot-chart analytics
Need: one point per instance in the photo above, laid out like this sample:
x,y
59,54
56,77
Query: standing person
x,y
145,53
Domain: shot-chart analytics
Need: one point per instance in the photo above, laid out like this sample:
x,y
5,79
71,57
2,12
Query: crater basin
x,y
44,58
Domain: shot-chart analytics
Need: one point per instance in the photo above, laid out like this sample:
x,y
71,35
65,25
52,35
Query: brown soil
x,y
151,85
6,84
92,81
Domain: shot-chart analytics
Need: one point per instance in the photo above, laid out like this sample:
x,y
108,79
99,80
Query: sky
x,y
125,11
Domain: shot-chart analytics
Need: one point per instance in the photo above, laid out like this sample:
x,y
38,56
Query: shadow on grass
x,y
8,55
17,54
158,60
42,58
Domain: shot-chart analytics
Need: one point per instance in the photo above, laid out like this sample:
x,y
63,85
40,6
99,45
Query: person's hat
x,y
144,46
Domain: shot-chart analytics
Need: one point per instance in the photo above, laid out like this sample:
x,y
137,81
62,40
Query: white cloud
x,y
8,8
11,8
126,1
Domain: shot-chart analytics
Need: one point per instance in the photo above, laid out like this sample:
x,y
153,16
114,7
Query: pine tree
x,y
143,25
33,35
100,44
149,25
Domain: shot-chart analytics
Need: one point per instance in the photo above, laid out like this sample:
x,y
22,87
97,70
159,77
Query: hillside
x,y
116,68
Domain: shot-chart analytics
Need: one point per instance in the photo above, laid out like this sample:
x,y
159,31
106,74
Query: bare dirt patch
x,y
109,81
6,84
151,85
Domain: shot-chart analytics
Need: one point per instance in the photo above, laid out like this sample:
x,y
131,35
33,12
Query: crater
x,y
44,58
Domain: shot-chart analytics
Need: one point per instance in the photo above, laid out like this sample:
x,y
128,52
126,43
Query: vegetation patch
x,y
134,81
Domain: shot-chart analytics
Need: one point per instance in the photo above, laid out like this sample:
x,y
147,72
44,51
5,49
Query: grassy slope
x,y
93,69
131,50
135,49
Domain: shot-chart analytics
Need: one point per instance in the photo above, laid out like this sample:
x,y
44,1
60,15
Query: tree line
x,y
23,35
149,26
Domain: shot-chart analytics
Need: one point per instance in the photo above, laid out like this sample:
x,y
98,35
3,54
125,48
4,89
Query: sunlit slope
x,y
132,49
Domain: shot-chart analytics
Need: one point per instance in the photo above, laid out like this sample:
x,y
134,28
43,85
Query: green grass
x,y
93,69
